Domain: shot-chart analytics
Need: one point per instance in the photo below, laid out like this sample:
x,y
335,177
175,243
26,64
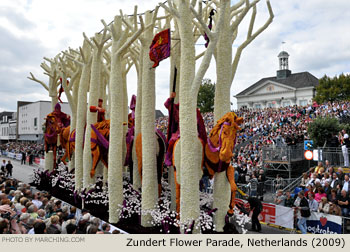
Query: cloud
x,y
315,33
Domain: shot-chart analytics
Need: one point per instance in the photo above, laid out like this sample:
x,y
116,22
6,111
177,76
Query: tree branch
x,y
88,40
39,81
133,37
171,9
250,39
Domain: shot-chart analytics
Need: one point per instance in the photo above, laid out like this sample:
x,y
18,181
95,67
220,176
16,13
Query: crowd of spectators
x,y
326,190
29,151
26,211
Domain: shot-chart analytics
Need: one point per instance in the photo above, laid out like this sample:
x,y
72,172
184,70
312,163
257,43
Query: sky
x,y
315,33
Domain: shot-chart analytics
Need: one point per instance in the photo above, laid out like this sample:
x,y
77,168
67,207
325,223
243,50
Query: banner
x,y
284,216
319,223
274,214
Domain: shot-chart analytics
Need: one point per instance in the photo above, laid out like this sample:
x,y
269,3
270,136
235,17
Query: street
x,y
23,173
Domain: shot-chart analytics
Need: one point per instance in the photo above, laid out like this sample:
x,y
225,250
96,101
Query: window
x,y
303,102
286,103
270,105
257,106
35,121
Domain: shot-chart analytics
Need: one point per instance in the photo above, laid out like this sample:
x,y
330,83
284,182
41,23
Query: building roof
x,y
283,53
159,114
296,80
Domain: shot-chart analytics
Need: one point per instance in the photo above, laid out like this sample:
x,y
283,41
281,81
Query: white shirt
x,y
346,186
313,204
37,203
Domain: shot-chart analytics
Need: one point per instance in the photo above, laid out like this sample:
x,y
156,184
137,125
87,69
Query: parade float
x,y
114,160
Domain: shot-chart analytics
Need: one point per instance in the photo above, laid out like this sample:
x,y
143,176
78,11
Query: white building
x,y
7,126
31,119
282,90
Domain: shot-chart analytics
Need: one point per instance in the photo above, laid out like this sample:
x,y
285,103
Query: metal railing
x,y
333,155
284,154
293,184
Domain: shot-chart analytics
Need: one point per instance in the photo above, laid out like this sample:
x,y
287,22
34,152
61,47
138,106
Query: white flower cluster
x,y
161,214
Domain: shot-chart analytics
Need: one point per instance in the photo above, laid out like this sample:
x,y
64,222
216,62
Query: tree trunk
x,y
189,199
115,158
81,118
92,117
138,116
149,161
221,107
49,160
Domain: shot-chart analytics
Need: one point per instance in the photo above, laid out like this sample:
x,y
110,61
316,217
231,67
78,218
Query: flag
x,y
61,90
210,26
160,47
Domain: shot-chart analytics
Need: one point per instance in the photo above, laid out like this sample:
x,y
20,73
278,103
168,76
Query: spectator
x,y
54,227
71,228
39,227
327,188
288,201
253,183
335,181
3,166
343,202
24,223
304,180
346,183
279,199
323,207
320,194
106,228
279,183
9,168
345,144
313,204
304,212
261,180
36,201
318,167
341,175
334,209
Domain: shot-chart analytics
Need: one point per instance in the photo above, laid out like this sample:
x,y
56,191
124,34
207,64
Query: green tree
x,y
206,94
322,130
333,89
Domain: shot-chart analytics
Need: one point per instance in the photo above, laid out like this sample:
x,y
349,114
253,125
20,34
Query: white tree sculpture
x,y
190,80
225,72
149,162
121,40
50,71
97,45
84,61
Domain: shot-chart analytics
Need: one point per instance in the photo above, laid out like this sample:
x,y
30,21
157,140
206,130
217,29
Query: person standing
x,y
23,160
345,144
304,212
253,183
3,166
9,168
255,206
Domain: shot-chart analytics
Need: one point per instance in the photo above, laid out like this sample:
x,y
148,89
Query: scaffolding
x,y
281,158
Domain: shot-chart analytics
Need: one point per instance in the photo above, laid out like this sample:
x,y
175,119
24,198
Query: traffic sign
x,y
308,155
